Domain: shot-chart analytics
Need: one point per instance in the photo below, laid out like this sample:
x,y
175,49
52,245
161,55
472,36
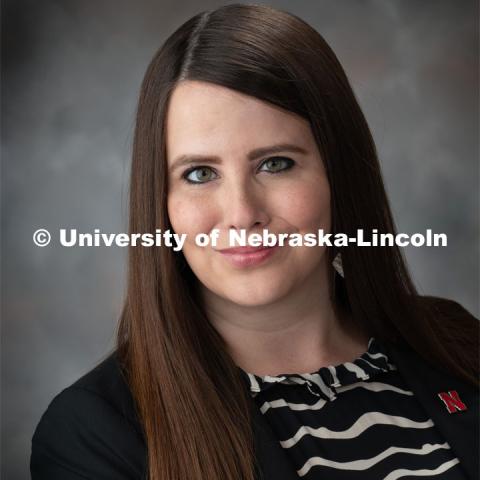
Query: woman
x,y
282,363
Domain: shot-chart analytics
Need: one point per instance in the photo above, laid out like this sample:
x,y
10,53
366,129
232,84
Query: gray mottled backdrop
x,y
71,75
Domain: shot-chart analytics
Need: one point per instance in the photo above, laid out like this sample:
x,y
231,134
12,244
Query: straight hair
x,y
195,411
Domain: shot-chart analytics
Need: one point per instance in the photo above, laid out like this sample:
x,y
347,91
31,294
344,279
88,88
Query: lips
x,y
242,250
242,257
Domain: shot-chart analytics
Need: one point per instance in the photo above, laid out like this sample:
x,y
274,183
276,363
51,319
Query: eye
x,y
278,164
204,174
198,175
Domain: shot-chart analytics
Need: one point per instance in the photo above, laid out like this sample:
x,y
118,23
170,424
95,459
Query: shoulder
x,y
107,383
446,307
454,333
456,326
90,430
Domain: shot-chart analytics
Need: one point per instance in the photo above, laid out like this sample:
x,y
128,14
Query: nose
x,y
245,207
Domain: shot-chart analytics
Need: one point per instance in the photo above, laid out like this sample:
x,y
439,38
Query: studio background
x,y
71,73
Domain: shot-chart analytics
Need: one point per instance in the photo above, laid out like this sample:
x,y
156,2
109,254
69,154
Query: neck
x,y
299,333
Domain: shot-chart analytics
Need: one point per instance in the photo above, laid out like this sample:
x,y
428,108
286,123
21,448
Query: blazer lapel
x,y
272,461
461,428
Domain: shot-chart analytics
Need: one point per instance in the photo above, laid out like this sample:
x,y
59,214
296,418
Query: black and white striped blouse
x,y
356,420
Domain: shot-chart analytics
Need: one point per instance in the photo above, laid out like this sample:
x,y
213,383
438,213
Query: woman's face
x,y
284,191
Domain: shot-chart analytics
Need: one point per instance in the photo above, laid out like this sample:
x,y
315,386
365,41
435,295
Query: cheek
x,y
307,206
189,216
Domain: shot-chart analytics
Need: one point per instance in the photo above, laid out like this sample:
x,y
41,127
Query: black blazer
x,y
90,431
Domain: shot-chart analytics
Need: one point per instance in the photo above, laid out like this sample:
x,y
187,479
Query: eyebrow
x,y
253,155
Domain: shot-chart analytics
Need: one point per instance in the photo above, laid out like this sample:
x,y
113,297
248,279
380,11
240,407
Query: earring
x,y
337,265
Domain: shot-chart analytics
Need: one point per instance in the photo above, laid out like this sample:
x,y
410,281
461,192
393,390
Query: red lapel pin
x,y
452,401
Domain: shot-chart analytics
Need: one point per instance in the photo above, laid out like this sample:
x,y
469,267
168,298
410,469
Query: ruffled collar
x,y
324,382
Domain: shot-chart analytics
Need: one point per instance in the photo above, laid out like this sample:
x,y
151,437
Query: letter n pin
x,y
452,401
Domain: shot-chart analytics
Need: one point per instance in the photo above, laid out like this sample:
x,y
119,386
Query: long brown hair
x,y
190,398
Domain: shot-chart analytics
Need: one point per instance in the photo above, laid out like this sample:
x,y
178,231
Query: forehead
x,y
207,118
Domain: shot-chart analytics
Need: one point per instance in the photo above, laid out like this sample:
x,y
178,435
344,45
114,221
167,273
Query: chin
x,y
253,296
